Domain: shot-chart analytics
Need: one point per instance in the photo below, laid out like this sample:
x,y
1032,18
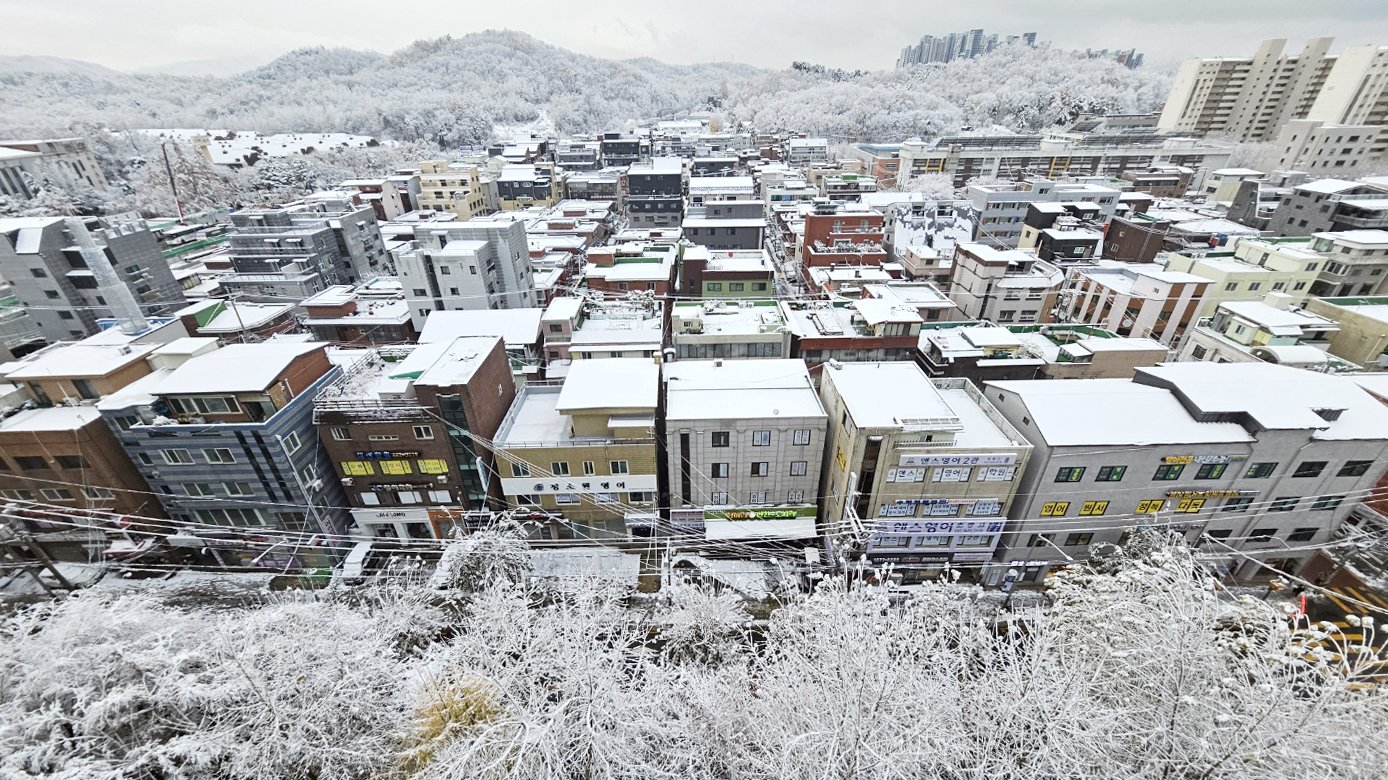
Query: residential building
x,y
846,187
1355,262
655,193
1138,239
1326,148
709,189
841,234
804,152
728,329
242,321
1248,98
357,316
845,281
1271,331
519,330
982,353
623,151
522,186
928,470
294,251
1067,246
386,199
618,269
609,329
576,155
227,439
483,263
455,188
1002,285
726,273
1080,153
605,184
744,447
924,297
1162,181
851,331
19,334
1363,335
409,431
64,160
727,224
63,294
999,210
1261,459
582,456
1253,269
1133,300
1330,205
17,170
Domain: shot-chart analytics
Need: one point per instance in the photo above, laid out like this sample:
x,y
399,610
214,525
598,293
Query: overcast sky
x,y
132,34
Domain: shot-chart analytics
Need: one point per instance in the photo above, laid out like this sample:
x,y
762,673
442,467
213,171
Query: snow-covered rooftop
x,y
78,360
739,389
887,395
610,383
517,327
56,418
235,368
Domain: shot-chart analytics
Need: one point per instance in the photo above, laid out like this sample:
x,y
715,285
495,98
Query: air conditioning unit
x,y
347,481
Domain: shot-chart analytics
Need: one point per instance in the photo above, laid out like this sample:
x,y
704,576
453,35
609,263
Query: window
x,y
1284,504
892,541
735,286
1262,535
799,468
1110,474
216,455
1169,471
30,462
618,467
383,437
198,489
1260,470
1198,352
1210,470
1302,535
70,461
1237,504
1150,506
1354,468
1073,540
1069,474
520,469
423,432
761,468
237,488
440,496
714,286
527,499
800,437
761,438
1040,540
173,457
719,497
341,434
408,497
1231,286
17,495
721,438
206,404
588,468
718,471
559,468
1055,508
795,496
1310,468
641,497
56,494
1221,534
98,493
1328,502
1093,508
291,443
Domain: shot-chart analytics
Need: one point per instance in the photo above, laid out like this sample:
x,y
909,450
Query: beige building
x,y
1134,299
582,456
1363,334
451,187
1334,149
926,469
1253,269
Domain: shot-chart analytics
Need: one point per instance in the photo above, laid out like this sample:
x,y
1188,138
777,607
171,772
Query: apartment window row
x,y
421,433
392,467
560,468
404,497
761,468
39,463
1071,540
203,489
799,437
723,498
1206,471
182,457
735,286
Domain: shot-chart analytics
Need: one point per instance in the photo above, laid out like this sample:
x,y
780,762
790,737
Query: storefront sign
x,y
518,486
1173,459
992,459
784,513
1209,493
923,527
389,516
386,454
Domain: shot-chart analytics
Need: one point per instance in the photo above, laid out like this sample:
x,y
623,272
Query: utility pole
x,y
173,185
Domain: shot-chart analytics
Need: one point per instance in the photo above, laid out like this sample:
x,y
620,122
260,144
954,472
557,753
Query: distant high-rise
x,y
959,45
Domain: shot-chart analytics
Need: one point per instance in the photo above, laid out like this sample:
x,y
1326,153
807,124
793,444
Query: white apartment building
x,y
1133,299
483,263
921,472
1265,459
1252,331
1356,262
803,152
1326,148
1253,269
999,211
745,443
455,188
1002,285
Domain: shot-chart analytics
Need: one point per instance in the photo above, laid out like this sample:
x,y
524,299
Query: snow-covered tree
x,y
935,186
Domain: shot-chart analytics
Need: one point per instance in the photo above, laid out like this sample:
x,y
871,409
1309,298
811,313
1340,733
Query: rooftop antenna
x,y
122,302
